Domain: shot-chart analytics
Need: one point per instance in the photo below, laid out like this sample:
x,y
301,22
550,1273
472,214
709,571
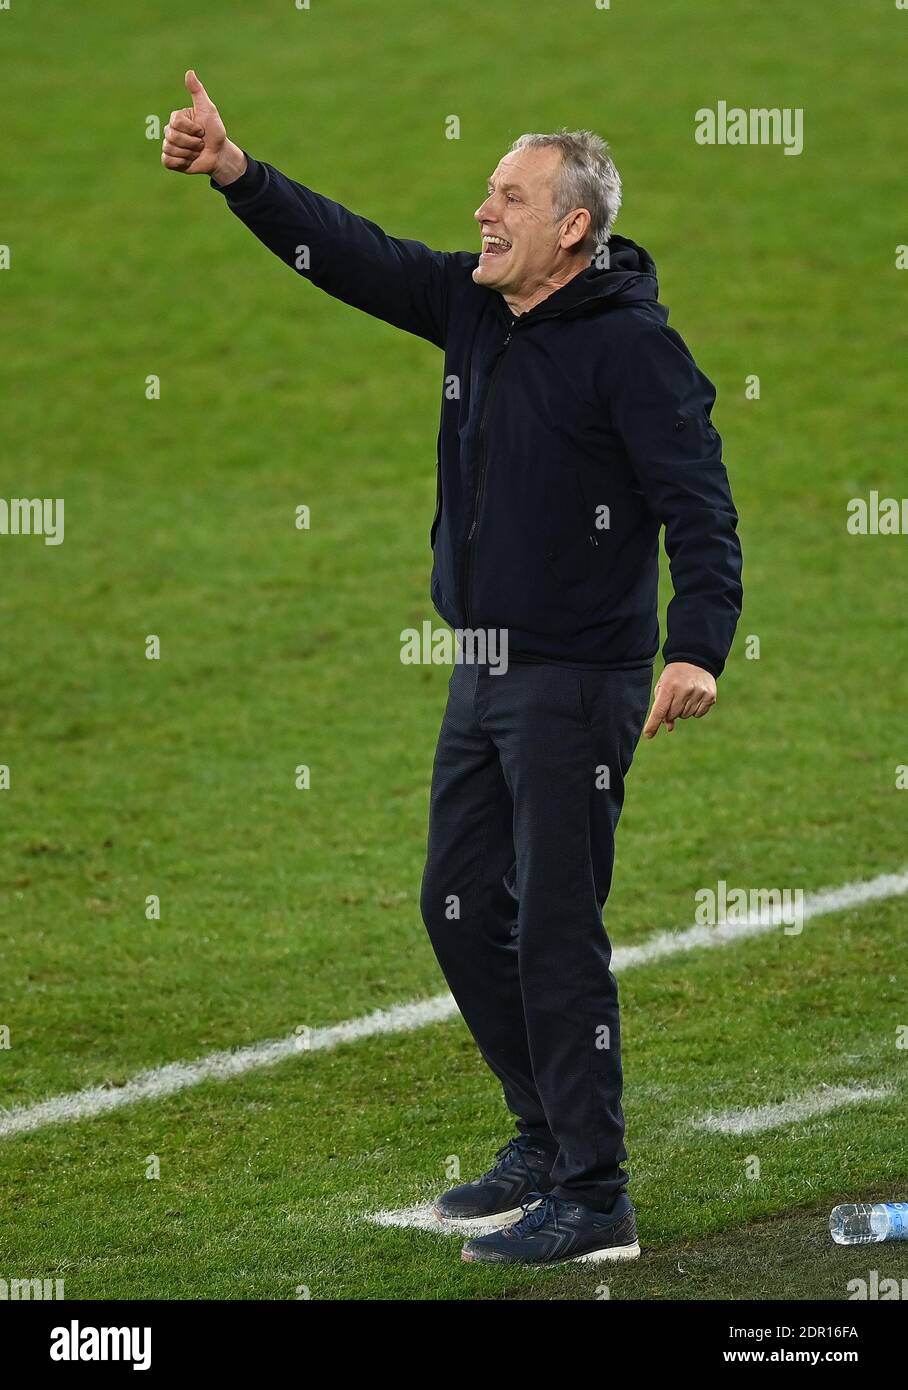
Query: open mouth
x,y
495,246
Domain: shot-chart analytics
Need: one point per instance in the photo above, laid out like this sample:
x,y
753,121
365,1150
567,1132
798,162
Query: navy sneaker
x,y
500,1194
553,1231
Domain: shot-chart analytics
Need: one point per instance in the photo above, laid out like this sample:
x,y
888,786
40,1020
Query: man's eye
x,y
512,198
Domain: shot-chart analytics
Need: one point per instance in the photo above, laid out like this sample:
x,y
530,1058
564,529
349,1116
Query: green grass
x,y
264,1180
280,647
787,1257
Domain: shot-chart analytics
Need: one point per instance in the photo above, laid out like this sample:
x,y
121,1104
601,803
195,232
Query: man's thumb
x,y
201,101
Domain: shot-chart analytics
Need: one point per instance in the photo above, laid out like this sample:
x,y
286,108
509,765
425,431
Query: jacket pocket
x,y
571,547
572,563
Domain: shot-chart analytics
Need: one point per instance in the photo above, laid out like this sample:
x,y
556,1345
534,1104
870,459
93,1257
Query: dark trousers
x,y
527,789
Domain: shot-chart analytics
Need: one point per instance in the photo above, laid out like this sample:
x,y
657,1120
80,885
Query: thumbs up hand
x,y
195,141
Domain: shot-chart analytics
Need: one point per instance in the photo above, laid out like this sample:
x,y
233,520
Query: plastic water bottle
x,y
864,1223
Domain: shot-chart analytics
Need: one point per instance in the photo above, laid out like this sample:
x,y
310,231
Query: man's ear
x,y
576,229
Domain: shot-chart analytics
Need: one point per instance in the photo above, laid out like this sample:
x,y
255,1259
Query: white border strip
x,y
418,1218
221,1066
757,1118
401,1018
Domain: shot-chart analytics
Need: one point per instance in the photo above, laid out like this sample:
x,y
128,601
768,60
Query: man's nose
x,y
484,212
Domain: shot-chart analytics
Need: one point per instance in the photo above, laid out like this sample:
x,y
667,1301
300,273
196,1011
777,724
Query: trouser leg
x,y
566,739
468,901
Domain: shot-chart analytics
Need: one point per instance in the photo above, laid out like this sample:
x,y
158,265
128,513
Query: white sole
x,y
612,1252
609,1253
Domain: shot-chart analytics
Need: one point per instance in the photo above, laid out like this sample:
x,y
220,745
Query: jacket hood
x,y
629,278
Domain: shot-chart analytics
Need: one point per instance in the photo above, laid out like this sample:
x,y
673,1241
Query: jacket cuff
x,y
705,663
248,186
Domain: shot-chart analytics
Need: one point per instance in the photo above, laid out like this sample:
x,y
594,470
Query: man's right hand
x,y
195,141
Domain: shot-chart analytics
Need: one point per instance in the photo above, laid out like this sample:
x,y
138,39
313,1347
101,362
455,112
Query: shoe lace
x,y
532,1220
509,1153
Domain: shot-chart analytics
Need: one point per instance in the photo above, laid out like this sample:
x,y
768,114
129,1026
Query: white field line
x,y
221,1066
401,1018
670,943
423,1218
419,1218
757,1118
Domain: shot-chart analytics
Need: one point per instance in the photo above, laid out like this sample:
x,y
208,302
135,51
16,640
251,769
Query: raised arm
x,y
403,282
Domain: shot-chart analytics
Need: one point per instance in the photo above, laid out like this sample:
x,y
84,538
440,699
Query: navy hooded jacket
x,y
569,436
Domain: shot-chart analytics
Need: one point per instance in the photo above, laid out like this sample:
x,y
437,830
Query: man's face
x,y
519,211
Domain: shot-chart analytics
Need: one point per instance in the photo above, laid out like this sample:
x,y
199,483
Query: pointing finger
x,y
657,713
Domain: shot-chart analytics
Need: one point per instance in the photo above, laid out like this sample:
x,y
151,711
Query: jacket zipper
x,y
480,481
468,576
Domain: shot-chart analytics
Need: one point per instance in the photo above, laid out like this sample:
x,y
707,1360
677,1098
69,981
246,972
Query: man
x,y
574,425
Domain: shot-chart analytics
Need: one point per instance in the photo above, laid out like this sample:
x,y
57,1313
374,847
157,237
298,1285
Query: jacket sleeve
x,y
402,282
661,411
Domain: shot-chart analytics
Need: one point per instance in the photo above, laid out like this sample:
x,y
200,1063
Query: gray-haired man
x,y
580,426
